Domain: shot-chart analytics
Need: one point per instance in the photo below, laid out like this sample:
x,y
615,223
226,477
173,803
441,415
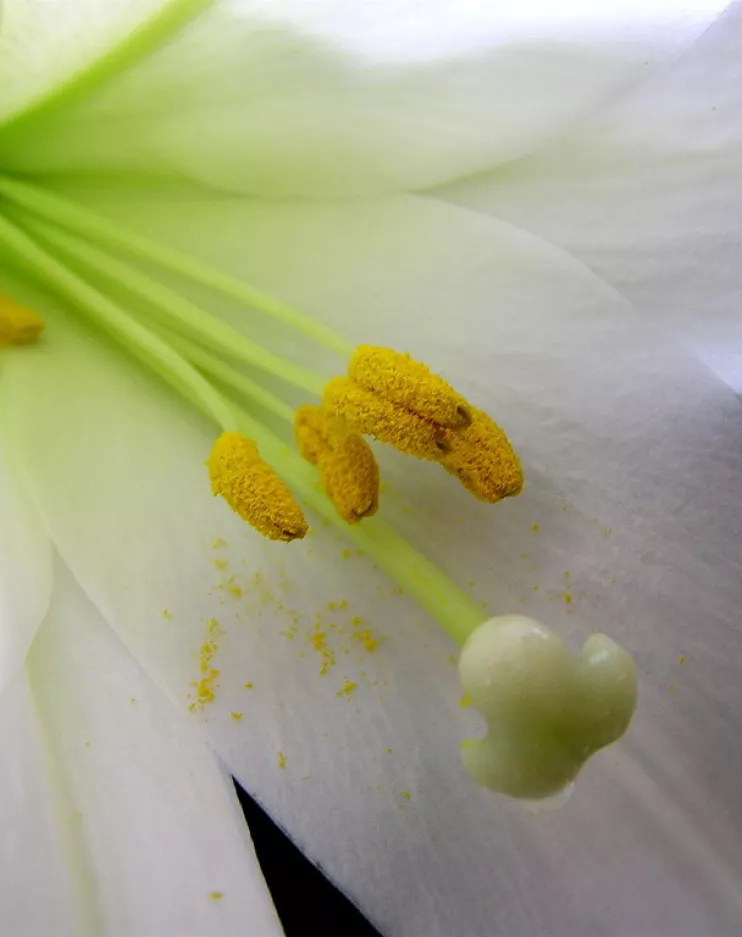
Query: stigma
x,y
253,490
547,711
19,325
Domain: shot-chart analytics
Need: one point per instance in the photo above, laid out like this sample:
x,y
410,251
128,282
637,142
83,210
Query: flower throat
x,y
383,394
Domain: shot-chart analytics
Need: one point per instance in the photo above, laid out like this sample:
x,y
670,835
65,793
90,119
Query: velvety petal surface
x,y
25,573
38,888
629,523
47,48
281,98
153,834
649,195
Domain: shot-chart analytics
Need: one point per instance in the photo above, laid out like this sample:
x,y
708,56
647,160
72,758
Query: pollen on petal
x,y
253,490
483,460
350,475
19,325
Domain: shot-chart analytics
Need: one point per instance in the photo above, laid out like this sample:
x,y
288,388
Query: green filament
x,y
145,346
176,312
96,228
228,376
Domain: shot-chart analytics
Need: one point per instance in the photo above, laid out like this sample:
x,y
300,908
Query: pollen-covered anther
x,y
373,415
19,325
399,401
409,384
349,472
481,457
253,490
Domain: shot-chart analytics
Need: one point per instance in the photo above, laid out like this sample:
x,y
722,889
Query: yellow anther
x,y
375,416
18,324
483,460
408,384
399,401
350,475
253,490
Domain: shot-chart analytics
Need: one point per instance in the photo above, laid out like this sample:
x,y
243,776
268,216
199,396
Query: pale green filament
x,y
140,341
230,377
176,312
98,229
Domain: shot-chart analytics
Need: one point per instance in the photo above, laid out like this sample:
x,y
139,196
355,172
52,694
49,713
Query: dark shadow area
x,y
306,901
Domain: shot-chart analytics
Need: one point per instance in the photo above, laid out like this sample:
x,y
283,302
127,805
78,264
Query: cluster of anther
x,y
399,401
386,395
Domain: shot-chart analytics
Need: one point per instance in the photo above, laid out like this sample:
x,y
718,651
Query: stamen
x,y
483,460
173,311
19,325
97,229
350,475
138,339
409,384
253,490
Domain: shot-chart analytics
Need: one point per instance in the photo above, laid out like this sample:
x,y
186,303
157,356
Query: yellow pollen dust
x,y
399,401
205,690
367,638
350,475
253,490
318,640
349,687
18,324
209,682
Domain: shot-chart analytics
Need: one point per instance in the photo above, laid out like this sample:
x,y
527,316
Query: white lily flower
x,y
520,200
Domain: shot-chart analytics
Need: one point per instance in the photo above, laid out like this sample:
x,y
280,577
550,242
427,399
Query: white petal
x,y
38,887
25,574
633,464
347,97
46,46
649,194
158,823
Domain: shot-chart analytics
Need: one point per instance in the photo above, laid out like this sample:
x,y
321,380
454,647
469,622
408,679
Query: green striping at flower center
x,y
548,712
